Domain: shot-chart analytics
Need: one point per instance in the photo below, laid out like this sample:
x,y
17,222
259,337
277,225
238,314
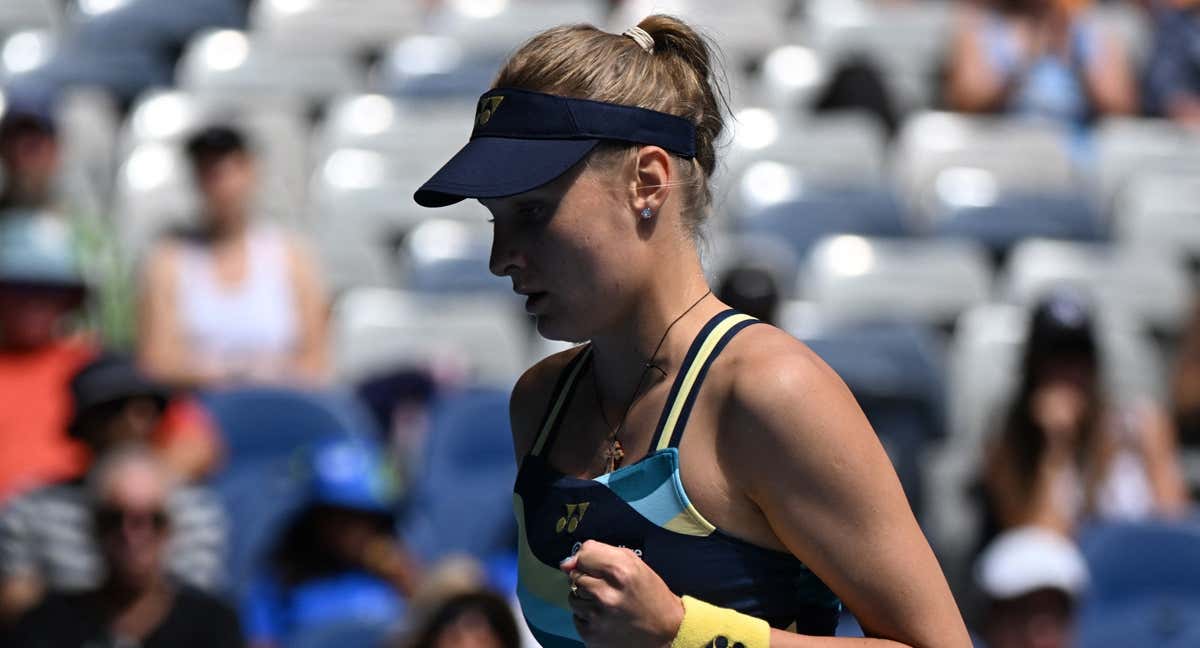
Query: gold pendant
x,y
614,454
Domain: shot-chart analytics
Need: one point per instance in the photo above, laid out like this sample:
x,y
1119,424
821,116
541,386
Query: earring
x,y
647,213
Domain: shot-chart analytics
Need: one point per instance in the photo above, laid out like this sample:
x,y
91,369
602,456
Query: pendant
x,y
614,455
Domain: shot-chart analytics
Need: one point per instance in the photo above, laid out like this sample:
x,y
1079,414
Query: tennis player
x,y
689,477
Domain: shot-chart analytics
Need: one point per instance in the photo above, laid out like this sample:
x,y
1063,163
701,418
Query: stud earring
x,y
647,213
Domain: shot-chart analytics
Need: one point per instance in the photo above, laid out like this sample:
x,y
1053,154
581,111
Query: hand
x,y
1059,408
619,601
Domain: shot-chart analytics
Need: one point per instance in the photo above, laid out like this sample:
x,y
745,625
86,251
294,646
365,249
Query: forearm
x,y
784,639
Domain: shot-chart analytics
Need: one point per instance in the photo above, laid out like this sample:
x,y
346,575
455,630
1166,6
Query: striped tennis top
x,y
643,507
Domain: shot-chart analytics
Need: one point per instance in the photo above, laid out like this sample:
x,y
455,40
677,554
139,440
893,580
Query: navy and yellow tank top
x,y
642,506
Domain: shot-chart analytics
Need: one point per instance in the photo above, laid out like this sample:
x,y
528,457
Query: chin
x,y
553,328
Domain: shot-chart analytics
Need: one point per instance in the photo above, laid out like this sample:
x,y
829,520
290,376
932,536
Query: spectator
x,y
474,619
40,288
1066,452
1173,72
236,300
137,604
752,291
1046,58
1031,579
46,539
30,156
339,559
1185,383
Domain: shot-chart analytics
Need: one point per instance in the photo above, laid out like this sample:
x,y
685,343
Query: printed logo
x,y
487,108
571,520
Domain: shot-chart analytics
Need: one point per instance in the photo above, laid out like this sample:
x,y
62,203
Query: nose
x,y
505,258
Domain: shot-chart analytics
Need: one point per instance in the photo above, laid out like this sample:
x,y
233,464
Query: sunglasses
x,y
113,518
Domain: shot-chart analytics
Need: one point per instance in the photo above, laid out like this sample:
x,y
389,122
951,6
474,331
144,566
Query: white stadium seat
x,y
1161,211
1128,147
17,15
343,25
870,278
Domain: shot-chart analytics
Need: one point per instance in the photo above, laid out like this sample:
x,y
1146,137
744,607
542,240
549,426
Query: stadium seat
x,y
19,15
242,68
895,371
1151,288
907,41
432,67
978,158
499,27
483,338
1145,585
813,214
792,78
461,501
727,250
1160,212
264,423
1008,220
154,193
448,257
1129,147
342,25
150,25
927,280
24,52
745,35
345,635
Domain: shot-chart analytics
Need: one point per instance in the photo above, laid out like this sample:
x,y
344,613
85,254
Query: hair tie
x,y
641,37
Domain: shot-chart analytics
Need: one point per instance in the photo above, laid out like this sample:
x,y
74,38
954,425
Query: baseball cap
x,y
1028,559
38,251
109,378
353,474
524,139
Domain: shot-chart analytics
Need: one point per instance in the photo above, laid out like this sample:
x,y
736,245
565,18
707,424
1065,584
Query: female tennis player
x,y
689,477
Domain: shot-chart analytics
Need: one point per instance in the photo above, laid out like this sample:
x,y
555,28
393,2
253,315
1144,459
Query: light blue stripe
x,y
545,616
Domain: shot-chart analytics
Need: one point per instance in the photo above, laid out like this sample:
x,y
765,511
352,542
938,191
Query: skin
x,y
31,161
227,187
31,318
1041,27
777,451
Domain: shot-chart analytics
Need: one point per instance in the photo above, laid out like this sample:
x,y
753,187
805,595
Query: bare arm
x,y
972,84
1161,452
161,348
312,302
830,494
1109,78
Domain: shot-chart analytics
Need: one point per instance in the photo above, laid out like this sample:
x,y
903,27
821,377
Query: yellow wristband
x,y
706,626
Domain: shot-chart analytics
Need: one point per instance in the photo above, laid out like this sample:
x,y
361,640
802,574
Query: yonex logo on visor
x,y
487,107
537,137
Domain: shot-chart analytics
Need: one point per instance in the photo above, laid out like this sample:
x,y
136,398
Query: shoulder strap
x,y
558,402
707,346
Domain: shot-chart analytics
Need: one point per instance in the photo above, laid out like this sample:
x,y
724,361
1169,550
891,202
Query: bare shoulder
x,y
531,396
768,365
161,259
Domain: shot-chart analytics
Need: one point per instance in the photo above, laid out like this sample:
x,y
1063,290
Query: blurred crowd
x,y
220,433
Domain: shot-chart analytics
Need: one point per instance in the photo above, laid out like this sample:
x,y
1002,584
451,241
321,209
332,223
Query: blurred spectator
x,y
1045,58
235,300
476,619
40,288
1185,383
30,155
137,604
858,84
1031,579
339,559
46,539
1173,72
1067,453
751,291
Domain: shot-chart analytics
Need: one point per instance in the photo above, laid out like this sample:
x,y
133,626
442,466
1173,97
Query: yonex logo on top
x,y
487,108
571,520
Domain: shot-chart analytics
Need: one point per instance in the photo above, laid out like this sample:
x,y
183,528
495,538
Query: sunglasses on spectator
x,y
113,518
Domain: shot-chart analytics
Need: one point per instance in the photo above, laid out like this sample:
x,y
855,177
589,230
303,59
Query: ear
x,y
652,179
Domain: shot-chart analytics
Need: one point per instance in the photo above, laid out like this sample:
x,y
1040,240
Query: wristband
x,y
706,625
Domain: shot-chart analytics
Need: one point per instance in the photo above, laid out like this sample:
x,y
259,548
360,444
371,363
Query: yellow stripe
x,y
543,581
558,404
690,522
693,371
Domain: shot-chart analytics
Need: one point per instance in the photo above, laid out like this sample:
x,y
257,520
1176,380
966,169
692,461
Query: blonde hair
x,y
678,76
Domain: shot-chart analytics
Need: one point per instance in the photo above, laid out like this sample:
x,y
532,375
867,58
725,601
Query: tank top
x,y
248,328
643,507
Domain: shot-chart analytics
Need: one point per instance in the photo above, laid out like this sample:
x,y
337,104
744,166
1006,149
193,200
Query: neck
x,y
620,353
227,227
124,597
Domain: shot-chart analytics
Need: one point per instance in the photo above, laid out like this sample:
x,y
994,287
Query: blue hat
x,y
523,140
354,474
38,250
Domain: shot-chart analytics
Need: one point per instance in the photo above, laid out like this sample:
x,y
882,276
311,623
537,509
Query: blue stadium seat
x,y
435,67
804,220
270,423
344,635
446,256
895,370
1004,223
1145,585
461,501
149,25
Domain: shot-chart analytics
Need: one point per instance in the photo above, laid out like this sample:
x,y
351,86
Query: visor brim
x,y
495,167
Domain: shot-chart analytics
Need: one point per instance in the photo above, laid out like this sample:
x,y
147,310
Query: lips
x,y
534,300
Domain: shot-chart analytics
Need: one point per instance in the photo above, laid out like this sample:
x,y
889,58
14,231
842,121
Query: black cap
x,y
214,142
1063,322
107,379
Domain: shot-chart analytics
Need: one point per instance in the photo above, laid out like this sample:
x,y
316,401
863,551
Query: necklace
x,y
614,454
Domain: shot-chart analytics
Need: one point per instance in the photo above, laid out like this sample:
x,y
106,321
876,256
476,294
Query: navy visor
x,y
523,140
